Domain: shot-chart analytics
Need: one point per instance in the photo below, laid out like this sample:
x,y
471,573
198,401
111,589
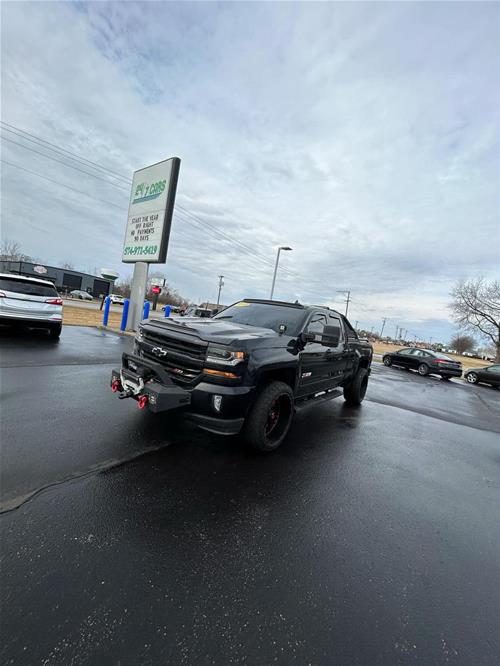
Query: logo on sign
x,y
147,192
40,269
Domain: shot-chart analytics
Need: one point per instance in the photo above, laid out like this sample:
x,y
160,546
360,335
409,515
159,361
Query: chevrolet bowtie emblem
x,y
158,351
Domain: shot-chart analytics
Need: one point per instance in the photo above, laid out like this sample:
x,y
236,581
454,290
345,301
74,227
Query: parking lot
x,y
370,537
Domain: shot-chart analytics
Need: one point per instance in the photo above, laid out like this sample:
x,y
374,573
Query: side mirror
x,y
331,336
307,337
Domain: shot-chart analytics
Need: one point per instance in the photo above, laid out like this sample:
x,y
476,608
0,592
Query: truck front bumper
x,y
216,408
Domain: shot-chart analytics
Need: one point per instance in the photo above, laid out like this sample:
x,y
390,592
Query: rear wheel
x,y
356,390
268,422
387,361
472,378
423,369
55,332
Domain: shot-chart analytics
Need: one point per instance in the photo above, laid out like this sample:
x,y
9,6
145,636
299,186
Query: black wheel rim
x,y
278,418
273,416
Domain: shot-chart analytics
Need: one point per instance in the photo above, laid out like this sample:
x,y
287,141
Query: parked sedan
x,y
489,375
82,295
30,302
425,362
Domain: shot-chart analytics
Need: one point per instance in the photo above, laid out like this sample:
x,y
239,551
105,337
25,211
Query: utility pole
x,y
356,325
397,331
383,326
372,329
406,333
221,284
347,300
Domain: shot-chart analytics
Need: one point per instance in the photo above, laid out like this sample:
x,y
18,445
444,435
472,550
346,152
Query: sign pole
x,y
137,295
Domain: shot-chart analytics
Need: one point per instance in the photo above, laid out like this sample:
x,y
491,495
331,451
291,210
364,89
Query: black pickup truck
x,y
247,369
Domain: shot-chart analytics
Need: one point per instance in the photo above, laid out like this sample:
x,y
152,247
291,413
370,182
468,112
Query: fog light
x,y
217,400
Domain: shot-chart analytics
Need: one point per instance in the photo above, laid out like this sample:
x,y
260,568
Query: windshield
x,y
265,315
26,287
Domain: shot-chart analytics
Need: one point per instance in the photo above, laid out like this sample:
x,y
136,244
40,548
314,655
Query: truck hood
x,y
212,330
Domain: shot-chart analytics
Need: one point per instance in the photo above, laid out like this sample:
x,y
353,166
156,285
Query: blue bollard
x,y
107,305
167,310
145,312
124,315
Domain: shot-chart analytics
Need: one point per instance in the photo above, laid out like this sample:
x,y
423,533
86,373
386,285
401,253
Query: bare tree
x,y
10,250
463,343
68,265
123,287
476,308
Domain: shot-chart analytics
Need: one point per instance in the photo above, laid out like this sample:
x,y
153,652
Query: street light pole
x,y
287,249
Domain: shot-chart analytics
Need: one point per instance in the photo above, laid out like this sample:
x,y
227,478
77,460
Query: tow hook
x,y
116,385
142,401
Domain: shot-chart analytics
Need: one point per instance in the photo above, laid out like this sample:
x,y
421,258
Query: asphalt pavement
x,y
370,537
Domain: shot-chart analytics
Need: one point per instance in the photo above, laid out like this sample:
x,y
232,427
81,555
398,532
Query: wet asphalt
x,y
370,537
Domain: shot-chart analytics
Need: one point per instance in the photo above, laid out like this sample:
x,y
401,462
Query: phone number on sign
x,y
134,250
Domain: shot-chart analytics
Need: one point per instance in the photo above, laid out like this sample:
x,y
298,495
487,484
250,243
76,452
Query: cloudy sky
x,y
365,136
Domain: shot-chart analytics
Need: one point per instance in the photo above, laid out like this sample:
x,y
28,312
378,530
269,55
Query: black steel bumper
x,y
153,383
162,394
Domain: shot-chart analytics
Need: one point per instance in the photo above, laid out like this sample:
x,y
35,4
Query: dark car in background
x,y
424,361
489,375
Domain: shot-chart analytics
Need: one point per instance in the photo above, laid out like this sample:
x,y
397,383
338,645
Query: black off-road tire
x,y
356,390
423,370
263,431
55,332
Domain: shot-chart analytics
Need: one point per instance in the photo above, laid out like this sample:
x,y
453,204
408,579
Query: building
x,y
64,279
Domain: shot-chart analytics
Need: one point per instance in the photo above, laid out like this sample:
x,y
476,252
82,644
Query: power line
x,y
59,149
71,166
57,182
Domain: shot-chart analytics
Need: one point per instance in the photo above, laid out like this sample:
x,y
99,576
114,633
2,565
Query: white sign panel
x,y
150,212
157,282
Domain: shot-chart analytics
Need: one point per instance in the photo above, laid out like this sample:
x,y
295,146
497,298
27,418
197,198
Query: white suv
x,y
30,302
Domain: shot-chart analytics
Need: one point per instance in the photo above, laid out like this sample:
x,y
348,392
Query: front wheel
x,y
356,390
446,378
387,361
268,422
472,378
423,370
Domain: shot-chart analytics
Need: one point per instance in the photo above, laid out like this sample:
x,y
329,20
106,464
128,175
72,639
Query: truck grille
x,y
182,359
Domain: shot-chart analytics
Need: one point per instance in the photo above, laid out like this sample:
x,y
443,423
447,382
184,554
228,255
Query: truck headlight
x,y
223,356
139,337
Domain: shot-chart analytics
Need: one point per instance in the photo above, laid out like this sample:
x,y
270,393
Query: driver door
x,y
314,366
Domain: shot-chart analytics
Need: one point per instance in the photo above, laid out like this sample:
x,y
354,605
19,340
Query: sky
x,y
363,135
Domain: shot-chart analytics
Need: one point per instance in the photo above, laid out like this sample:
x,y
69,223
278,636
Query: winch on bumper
x,y
149,384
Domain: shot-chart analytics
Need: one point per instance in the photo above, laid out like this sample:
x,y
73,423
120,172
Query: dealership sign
x,y
150,212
